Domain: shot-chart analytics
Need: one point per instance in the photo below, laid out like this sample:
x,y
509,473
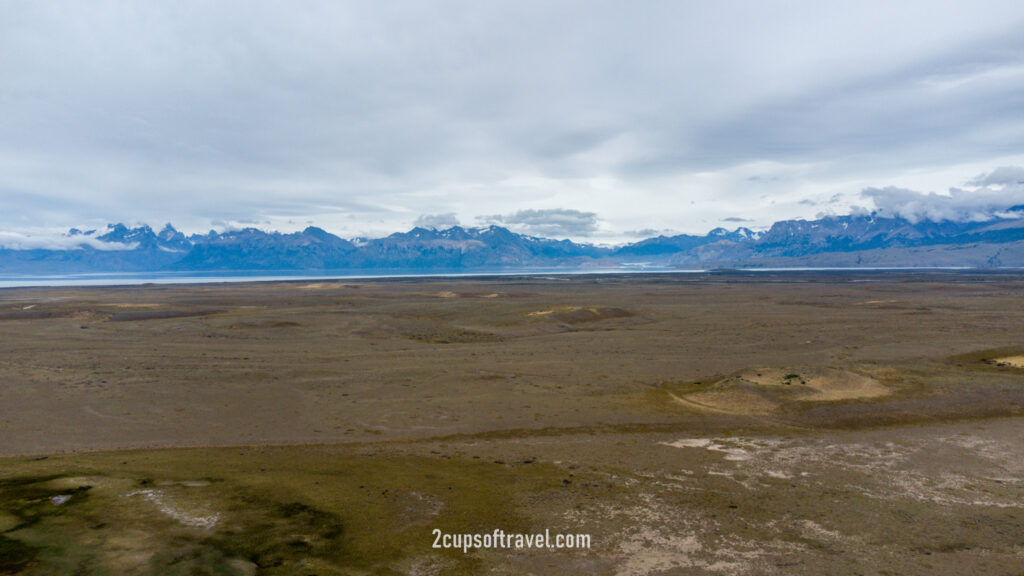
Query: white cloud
x,y
16,241
987,196
437,221
1012,176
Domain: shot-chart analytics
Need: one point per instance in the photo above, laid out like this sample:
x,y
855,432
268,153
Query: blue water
x,y
135,279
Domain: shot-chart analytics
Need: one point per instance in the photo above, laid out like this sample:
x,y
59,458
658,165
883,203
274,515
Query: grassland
x,y
699,424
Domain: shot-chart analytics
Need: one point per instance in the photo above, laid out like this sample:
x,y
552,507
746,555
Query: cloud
x,y
1003,176
556,222
437,221
989,196
736,219
650,233
360,116
225,226
906,112
16,241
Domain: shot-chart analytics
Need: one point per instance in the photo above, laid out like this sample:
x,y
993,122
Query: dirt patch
x,y
818,384
326,286
159,315
265,324
1008,361
730,398
582,314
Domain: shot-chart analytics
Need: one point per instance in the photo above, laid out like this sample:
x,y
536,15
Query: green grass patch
x,y
308,510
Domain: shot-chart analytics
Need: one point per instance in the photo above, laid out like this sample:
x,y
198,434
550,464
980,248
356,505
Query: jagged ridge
x,y
840,241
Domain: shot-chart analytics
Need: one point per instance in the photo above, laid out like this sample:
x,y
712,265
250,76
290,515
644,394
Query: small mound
x,y
1011,361
479,295
583,314
764,390
818,384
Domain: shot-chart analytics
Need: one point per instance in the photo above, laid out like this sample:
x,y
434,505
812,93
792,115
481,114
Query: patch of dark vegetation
x,y
11,484
989,359
15,556
33,314
278,535
325,525
28,500
274,537
141,315
683,387
188,559
999,363
451,336
792,378
950,547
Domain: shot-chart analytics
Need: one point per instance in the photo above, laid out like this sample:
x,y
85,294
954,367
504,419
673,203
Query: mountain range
x,y
864,240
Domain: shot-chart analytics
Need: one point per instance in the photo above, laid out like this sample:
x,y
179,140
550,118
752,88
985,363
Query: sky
x,y
603,122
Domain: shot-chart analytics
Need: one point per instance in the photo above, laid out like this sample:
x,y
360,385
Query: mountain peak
x,y
316,231
829,240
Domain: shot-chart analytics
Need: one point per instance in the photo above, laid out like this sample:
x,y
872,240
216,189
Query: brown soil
x,y
698,424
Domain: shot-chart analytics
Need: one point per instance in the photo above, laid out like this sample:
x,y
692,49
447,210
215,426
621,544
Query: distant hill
x,y
840,241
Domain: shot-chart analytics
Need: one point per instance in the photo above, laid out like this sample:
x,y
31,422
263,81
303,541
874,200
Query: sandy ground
x,y
1012,361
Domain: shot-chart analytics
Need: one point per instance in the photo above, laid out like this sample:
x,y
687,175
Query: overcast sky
x,y
599,121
